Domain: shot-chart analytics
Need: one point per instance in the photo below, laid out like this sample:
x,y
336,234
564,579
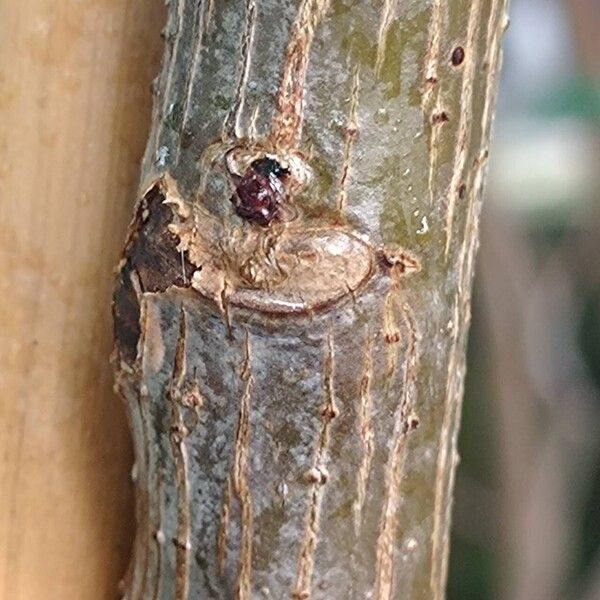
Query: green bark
x,y
294,389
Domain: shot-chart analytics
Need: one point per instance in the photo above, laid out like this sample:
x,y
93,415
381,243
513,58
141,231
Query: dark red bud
x,y
256,198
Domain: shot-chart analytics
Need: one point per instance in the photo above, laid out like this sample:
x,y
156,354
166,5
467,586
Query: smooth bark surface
x,y
294,387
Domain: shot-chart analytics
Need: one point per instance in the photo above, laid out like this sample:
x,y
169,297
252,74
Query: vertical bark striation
x,y
294,387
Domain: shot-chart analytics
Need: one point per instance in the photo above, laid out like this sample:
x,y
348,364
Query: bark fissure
x,y
159,540
365,429
350,135
286,127
240,482
404,422
317,476
387,18
465,119
276,364
223,535
461,308
178,434
202,21
431,94
233,125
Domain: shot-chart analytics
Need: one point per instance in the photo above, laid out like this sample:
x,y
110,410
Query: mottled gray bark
x,y
294,386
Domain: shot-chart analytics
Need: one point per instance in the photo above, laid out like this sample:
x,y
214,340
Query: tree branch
x,y
293,301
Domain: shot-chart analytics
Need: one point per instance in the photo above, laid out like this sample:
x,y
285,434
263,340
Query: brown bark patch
x,y
151,263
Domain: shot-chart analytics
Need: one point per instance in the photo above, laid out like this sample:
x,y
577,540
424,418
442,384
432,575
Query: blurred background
x,y
527,508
